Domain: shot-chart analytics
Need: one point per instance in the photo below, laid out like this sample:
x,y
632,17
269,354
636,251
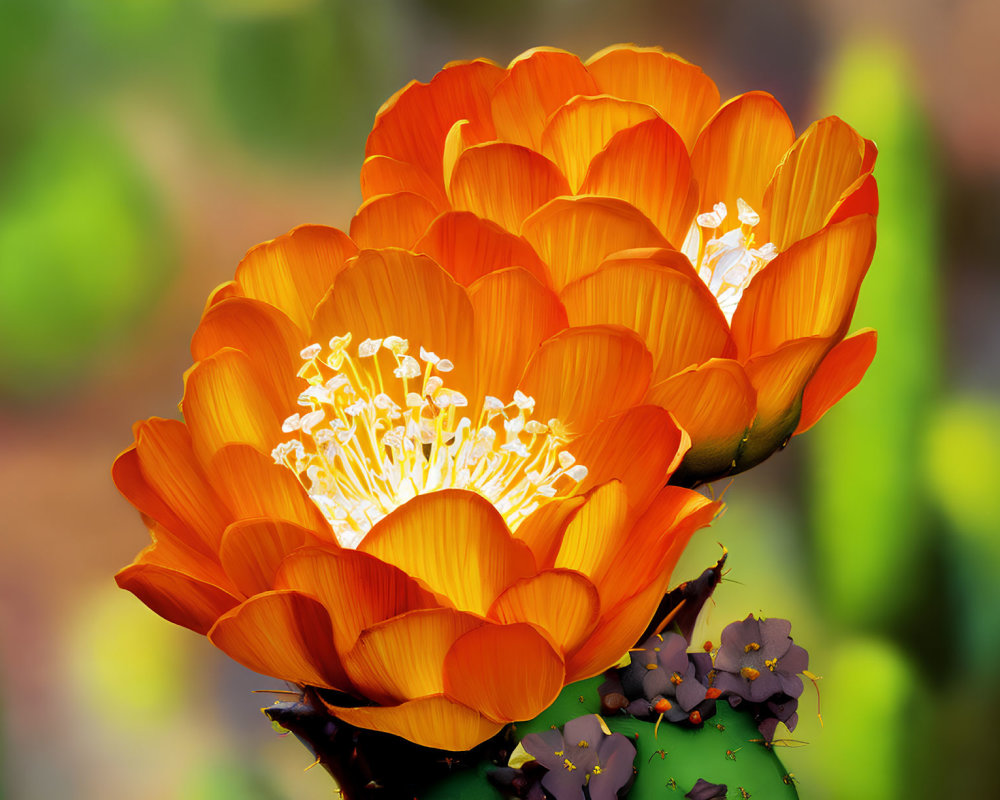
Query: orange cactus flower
x,y
422,494
735,250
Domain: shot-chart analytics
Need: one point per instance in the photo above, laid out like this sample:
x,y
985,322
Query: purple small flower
x,y
758,659
582,755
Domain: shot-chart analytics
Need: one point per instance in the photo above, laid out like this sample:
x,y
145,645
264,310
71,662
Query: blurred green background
x,y
146,144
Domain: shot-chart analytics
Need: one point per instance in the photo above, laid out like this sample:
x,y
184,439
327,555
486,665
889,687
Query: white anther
x,y
459,400
429,357
311,420
336,383
442,400
746,214
355,408
369,347
384,402
291,423
396,345
414,400
310,352
523,401
514,426
409,367
534,427
713,218
444,365
433,384
577,473
314,394
566,460
491,403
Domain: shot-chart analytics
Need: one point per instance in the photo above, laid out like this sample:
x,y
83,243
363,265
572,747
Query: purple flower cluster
x,y
583,754
664,679
756,669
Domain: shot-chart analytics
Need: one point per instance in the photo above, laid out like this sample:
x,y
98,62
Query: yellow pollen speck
x,y
676,679
560,752
752,646
379,428
570,766
750,673
651,666
597,769
771,663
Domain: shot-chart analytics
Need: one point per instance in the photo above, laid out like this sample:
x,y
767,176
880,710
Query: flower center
x,y
382,428
727,262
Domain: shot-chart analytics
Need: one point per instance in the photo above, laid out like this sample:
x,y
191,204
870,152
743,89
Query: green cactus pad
x,y
670,759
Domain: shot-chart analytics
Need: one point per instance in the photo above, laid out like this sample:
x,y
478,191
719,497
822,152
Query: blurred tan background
x,y
145,145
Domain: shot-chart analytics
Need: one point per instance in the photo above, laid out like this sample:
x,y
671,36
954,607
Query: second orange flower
x,y
734,249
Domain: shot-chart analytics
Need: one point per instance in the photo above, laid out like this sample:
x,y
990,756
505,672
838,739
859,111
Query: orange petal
x,y
403,658
842,369
514,313
168,465
779,379
357,589
596,533
433,721
573,235
658,296
469,248
176,596
172,552
454,541
396,293
608,451
506,672
738,149
871,153
223,292
225,403
504,182
660,536
128,478
716,404
809,290
648,166
861,197
263,333
824,161
295,270
582,375
386,175
284,634
579,130
542,530
680,92
392,220
254,486
412,126
561,602
537,83
617,631
252,550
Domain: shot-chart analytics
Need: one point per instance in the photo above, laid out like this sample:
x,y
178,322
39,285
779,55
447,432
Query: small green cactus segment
x,y
726,749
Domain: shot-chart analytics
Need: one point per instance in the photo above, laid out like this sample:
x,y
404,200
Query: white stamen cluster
x,y
727,262
368,442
